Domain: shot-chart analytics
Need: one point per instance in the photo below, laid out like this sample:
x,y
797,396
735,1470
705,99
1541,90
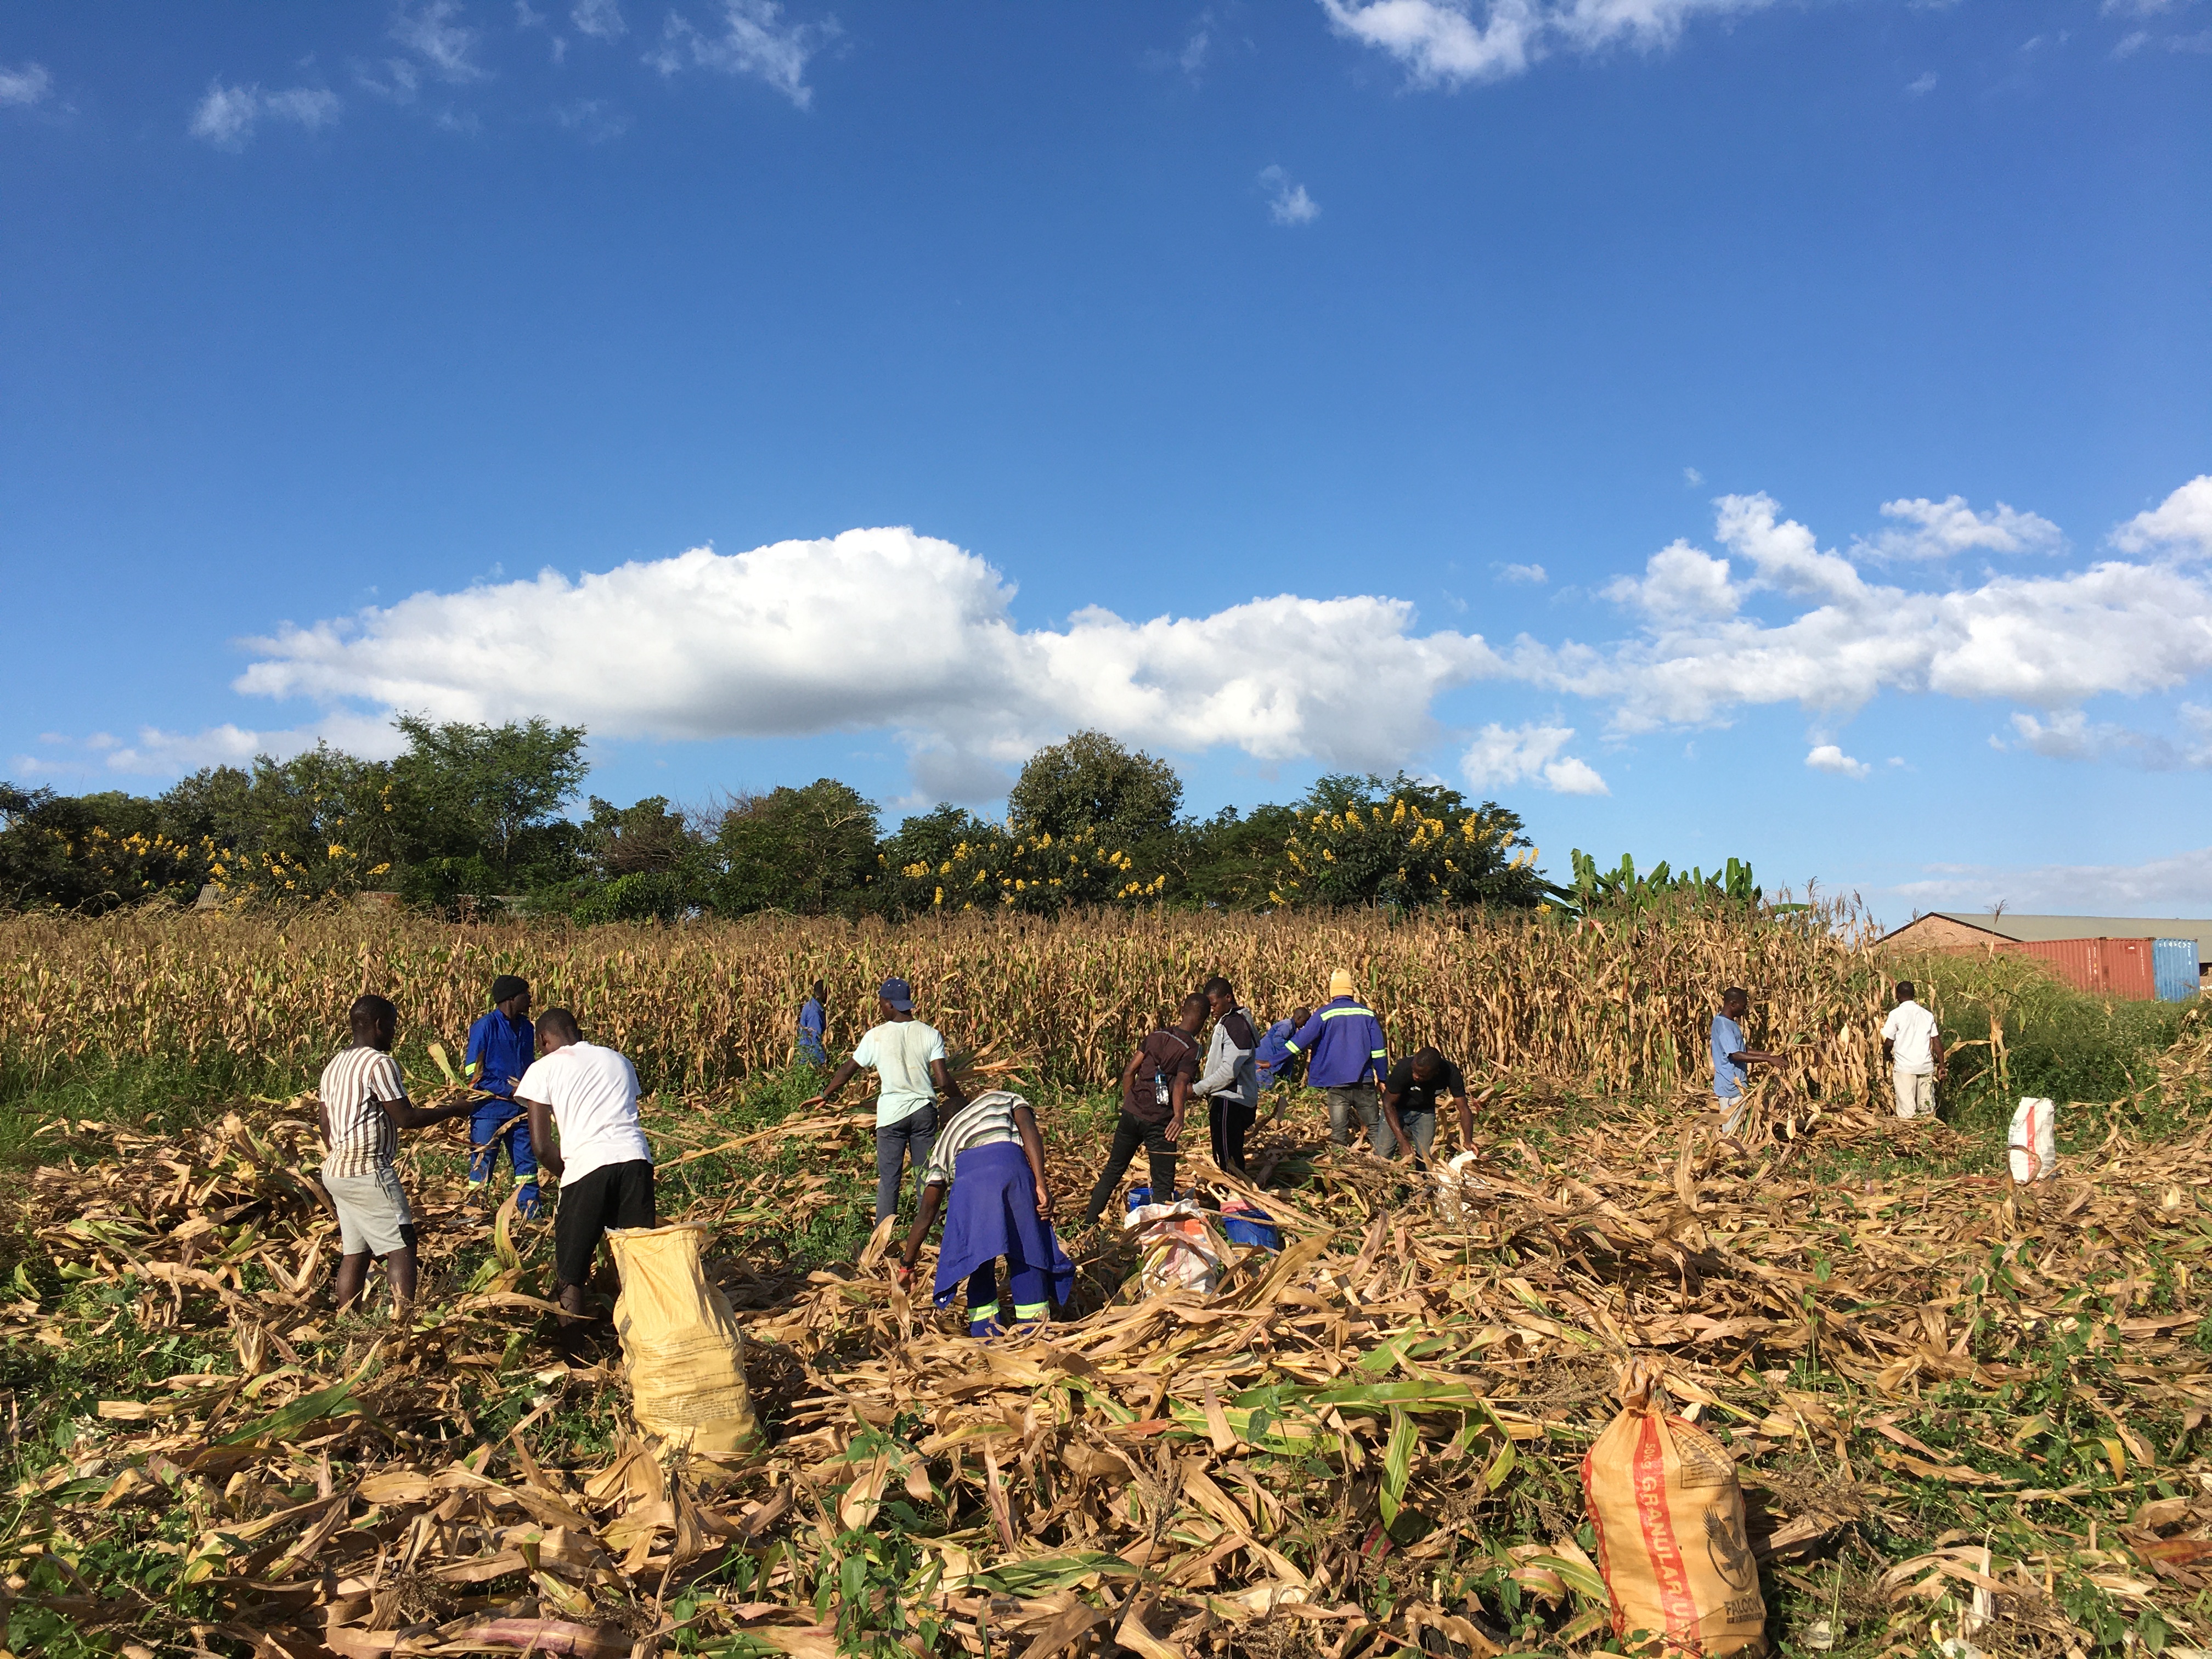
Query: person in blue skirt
x,y
502,1045
987,1170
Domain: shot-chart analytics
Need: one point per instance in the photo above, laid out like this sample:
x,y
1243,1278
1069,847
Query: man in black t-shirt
x,y
1408,1122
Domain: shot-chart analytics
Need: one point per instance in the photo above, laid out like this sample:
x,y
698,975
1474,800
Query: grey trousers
x,y
908,1141
1361,1101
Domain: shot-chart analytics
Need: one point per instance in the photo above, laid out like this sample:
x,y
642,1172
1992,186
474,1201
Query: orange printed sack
x,y
1668,1512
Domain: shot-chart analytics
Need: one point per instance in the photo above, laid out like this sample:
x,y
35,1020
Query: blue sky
x,y
1710,427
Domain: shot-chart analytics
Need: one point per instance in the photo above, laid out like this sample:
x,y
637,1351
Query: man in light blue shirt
x,y
908,1057
1732,1060
813,1026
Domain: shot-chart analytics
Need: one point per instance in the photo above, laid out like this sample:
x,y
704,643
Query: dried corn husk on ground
x,y
1335,1450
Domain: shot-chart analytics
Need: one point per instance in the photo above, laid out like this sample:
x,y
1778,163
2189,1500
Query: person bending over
x,y
364,1105
601,1156
1409,1105
986,1171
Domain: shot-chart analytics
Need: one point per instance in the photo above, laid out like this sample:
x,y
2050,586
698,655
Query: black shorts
x,y
612,1195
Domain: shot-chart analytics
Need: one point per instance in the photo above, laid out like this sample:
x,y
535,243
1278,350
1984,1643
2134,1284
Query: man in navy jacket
x,y
502,1043
1347,1059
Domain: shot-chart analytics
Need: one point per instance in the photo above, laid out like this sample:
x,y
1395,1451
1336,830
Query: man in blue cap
x,y
502,1045
908,1057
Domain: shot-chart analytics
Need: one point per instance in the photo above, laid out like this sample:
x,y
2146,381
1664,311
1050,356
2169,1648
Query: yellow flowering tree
x,y
1363,841
950,860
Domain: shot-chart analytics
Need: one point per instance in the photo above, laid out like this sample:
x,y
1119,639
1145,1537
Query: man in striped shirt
x,y
364,1106
990,1159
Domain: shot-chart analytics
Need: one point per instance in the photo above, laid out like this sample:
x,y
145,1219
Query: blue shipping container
x,y
2173,968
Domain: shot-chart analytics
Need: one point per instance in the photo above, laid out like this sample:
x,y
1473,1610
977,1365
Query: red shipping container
x,y
2108,967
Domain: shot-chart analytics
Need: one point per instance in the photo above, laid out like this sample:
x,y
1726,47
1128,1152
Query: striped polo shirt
x,y
987,1119
363,1138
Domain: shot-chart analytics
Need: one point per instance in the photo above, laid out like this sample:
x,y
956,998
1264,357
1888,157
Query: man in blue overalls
x,y
501,1045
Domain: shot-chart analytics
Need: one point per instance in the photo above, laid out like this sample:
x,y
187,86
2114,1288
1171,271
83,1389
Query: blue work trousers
x,y
486,1136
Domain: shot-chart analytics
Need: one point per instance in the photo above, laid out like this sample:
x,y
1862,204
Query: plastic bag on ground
x,y
1182,1252
683,1352
2034,1150
1459,1191
1668,1511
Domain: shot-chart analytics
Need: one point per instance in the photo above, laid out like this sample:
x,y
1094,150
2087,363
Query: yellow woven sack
x,y
685,1358
1668,1512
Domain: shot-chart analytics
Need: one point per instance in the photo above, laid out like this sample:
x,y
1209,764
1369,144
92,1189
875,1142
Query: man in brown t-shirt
x,y
1154,1086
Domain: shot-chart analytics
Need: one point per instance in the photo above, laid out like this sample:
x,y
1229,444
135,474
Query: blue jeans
x,y
484,1162
908,1141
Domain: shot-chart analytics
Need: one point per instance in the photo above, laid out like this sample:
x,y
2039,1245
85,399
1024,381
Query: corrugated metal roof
x,y
2014,924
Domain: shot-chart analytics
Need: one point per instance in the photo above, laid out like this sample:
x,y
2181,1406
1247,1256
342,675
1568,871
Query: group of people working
x,y
547,1098
542,1093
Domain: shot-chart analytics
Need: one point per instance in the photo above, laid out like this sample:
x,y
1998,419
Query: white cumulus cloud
x,y
1939,530
1830,757
1287,202
1501,757
1533,574
878,628
751,38
26,86
1450,43
1704,649
2181,523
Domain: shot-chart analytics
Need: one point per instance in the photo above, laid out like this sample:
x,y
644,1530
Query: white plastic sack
x,y
1459,1191
1182,1252
2034,1150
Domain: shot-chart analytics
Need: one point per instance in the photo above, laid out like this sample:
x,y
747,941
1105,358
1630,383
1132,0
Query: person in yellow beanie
x,y
1347,1059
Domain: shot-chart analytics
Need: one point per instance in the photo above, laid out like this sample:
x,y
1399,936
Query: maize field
x,y
1617,1008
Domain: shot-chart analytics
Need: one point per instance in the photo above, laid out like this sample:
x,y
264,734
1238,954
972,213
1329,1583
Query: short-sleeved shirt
x,y
363,1138
1415,1096
899,1051
1727,1076
987,1120
1909,1030
1167,1055
593,1092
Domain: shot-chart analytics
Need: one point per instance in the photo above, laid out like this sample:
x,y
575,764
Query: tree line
x,y
470,814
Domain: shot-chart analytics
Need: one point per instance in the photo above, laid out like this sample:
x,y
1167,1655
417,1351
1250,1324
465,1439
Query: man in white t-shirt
x,y
908,1057
602,1158
1911,1045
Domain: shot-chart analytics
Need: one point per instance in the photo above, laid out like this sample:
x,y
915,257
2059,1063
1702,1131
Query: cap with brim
x,y
898,993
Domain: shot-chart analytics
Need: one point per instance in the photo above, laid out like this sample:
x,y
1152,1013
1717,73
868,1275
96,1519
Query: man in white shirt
x,y
908,1057
602,1158
1911,1045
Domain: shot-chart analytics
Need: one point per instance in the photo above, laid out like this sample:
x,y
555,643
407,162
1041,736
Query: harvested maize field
x,y
1963,1412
